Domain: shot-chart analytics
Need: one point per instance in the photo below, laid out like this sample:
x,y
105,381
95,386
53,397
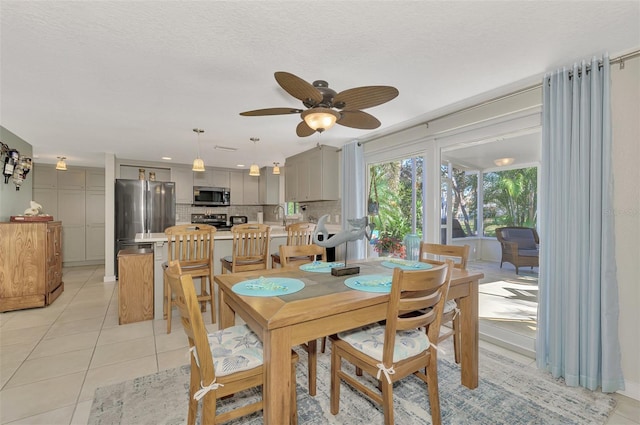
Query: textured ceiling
x,y
81,78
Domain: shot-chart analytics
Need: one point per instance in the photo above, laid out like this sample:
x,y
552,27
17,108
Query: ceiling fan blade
x,y
358,119
303,130
364,97
298,88
271,111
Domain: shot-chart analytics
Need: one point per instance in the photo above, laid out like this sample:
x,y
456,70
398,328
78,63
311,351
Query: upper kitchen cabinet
x,y
73,179
313,175
183,177
45,176
132,172
244,188
212,178
95,179
269,187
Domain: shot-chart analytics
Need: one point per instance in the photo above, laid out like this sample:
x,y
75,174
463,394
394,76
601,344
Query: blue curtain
x,y
353,193
577,336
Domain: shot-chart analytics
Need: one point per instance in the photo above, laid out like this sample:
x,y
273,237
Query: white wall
x,y
625,105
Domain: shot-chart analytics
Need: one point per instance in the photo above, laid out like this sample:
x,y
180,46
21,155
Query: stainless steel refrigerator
x,y
142,206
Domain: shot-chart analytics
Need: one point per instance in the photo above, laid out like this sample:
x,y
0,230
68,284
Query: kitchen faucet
x,y
275,211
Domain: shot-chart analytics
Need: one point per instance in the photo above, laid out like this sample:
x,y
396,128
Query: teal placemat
x,y
320,266
268,287
405,264
370,283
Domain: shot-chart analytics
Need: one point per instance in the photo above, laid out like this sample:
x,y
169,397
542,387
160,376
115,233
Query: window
x,y
510,199
395,203
463,200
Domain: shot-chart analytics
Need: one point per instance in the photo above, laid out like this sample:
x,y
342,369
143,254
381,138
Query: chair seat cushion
x,y
235,349
370,340
528,252
229,259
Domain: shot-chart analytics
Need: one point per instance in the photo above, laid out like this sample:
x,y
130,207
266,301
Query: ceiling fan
x,y
325,107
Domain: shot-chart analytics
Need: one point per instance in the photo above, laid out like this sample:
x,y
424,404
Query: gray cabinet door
x,y
71,211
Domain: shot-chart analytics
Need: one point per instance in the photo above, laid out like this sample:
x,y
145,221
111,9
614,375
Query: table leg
x,y
277,371
469,335
227,315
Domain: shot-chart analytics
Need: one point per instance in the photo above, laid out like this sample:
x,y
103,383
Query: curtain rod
x,y
620,59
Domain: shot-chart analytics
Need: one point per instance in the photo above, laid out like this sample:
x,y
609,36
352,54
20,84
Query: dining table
x,y
324,304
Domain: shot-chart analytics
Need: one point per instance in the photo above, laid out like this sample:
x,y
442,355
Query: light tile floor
x,y
52,359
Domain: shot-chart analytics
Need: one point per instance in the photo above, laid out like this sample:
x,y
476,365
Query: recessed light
x,y
240,165
166,158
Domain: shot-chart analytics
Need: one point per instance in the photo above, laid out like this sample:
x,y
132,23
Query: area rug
x,y
508,393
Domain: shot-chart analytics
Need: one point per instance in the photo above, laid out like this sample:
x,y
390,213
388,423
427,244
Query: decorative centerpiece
x,y
390,246
359,228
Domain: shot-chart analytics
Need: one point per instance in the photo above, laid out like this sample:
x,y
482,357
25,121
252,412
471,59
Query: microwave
x,y
211,196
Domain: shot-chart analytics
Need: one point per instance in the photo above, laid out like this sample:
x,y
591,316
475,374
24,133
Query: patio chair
x,y
519,246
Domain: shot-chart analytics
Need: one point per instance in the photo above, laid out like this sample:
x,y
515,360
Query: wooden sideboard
x,y
30,264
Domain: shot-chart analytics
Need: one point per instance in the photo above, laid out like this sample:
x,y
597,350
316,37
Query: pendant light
x,y
254,170
198,163
276,168
61,165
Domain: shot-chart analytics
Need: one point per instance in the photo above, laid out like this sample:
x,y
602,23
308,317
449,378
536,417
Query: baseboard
x,y
513,341
632,390
111,278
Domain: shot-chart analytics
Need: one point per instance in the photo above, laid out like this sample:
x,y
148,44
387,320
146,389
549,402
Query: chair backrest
x,y
187,301
525,237
436,253
421,293
250,245
291,255
191,244
300,233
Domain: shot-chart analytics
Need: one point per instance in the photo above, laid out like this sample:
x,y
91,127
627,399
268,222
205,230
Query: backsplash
x,y
312,211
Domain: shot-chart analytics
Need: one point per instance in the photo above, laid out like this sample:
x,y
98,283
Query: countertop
x,y
277,231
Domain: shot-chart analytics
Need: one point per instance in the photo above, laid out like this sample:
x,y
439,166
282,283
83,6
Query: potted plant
x,y
389,245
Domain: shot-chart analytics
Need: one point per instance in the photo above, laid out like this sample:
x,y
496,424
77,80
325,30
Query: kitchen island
x,y
223,247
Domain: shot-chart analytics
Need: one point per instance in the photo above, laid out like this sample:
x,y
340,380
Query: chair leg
x,y
336,365
434,395
294,396
194,385
324,344
203,292
312,350
213,300
456,338
387,400
169,303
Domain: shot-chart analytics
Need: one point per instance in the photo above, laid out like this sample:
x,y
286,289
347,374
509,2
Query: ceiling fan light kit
x,y
321,103
320,119
198,163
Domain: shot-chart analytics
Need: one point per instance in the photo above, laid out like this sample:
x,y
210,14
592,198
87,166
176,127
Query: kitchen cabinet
x,y
45,176
73,178
212,177
94,179
131,172
183,177
244,188
313,175
269,187
77,200
71,211
30,264
94,225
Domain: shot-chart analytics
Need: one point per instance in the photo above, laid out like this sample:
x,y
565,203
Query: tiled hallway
x,y
53,358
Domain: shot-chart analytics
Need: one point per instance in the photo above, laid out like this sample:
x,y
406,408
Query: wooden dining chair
x,y
399,347
435,254
294,256
297,234
250,249
223,363
192,245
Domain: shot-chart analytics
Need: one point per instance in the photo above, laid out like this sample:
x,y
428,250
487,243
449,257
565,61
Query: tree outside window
x,y
510,199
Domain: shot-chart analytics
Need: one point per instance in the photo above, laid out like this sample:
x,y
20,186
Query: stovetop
x,y
217,220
